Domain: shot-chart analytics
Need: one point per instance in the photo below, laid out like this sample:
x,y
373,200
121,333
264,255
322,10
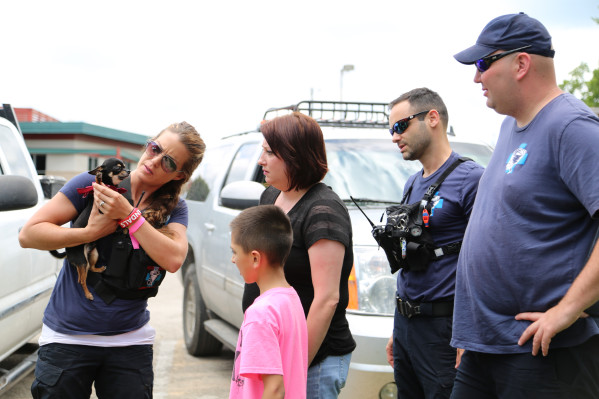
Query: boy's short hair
x,y
264,228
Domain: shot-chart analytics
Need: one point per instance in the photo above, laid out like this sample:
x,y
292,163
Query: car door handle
x,y
209,226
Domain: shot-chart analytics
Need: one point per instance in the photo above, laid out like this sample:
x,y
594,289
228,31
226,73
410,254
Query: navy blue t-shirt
x,y
450,212
70,312
531,230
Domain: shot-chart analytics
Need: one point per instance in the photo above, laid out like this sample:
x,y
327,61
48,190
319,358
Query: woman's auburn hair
x,y
297,140
164,200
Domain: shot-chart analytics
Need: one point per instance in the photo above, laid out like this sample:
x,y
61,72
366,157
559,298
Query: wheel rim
x,y
190,309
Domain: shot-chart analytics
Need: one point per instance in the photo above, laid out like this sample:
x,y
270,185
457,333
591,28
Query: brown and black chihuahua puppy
x,y
85,256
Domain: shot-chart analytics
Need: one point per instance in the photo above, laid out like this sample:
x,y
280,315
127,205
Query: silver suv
x,y
364,164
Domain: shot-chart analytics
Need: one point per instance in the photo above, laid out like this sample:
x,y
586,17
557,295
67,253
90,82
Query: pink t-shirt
x,y
273,340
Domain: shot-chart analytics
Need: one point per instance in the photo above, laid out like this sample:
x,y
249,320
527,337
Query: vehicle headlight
x,y
388,391
371,284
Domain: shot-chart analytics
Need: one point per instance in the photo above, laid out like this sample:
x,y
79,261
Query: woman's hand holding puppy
x,y
99,224
113,204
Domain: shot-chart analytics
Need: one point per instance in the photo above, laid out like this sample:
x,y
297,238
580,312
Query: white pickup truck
x,y
27,276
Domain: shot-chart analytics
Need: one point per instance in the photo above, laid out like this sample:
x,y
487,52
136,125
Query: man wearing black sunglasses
x,y
528,273
419,350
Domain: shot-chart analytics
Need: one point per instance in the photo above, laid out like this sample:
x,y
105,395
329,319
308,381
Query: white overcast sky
x,y
141,65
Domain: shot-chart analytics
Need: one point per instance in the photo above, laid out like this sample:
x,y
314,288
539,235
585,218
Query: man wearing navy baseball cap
x,y
527,282
509,32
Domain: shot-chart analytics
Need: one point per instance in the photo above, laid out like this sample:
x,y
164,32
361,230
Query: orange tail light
x,y
352,285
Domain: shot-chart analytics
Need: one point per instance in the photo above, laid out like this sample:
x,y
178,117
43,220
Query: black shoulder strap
x,y
454,247
435,186
428,195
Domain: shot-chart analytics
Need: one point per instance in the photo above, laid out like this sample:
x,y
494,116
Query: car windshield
x,y
367,169
374,170
478,152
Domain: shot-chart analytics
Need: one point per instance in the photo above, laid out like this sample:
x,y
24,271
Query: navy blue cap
x,y
509,32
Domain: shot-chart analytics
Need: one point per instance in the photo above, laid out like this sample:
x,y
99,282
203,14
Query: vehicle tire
x,y
197,340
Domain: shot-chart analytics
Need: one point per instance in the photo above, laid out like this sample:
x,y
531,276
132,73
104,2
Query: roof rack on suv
x,y
339,113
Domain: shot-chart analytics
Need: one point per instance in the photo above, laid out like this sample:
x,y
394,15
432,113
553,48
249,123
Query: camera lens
x,y
416,231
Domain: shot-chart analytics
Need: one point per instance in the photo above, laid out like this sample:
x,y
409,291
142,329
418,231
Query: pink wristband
x,y
133,228
134,242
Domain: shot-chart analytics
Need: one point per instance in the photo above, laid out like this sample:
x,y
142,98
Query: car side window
x,y
14,155
203,180
244,161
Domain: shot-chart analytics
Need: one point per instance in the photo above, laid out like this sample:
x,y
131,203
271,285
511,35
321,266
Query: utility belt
x,y
432,309
130,273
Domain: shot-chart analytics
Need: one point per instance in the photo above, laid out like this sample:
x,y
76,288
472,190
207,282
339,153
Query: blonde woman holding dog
x,y
106,340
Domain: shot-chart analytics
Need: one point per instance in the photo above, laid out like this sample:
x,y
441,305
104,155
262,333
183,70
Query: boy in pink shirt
x,y
271,359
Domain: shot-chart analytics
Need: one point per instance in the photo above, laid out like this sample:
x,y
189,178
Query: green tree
x,y
587,90
592,98
198,190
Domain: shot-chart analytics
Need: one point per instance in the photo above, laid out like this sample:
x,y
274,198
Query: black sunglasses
x,y
485,63
168,164
401,125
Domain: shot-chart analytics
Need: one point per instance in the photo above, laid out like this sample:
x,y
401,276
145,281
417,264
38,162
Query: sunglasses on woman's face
x,y
168,164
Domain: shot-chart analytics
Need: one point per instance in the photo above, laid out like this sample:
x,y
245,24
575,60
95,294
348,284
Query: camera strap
x,y
430,192
424,209
428,195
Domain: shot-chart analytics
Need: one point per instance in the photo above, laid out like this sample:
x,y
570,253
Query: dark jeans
x,y
565,373
423,360
68,371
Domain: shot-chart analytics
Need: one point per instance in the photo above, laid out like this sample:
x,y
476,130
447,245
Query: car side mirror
x,y
241,194
17,192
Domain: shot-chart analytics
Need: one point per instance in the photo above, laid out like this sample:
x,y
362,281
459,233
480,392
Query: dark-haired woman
x,y
294,163
108,341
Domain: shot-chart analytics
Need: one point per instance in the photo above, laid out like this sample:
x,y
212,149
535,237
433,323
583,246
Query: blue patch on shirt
x,y
437,202
518,157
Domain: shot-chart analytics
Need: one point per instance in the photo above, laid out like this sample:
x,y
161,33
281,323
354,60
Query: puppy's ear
x,y
95,171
